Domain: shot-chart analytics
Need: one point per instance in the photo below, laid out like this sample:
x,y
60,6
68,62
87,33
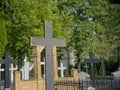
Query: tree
x,y
28,21
3,18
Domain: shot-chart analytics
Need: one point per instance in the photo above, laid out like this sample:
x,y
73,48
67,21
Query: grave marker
x,y
25,69
7,61
12,69
61,68
91,60
48,42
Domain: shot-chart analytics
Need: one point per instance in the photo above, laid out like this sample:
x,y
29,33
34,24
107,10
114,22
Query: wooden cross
x,y
7,61
62,68
91,60
48,42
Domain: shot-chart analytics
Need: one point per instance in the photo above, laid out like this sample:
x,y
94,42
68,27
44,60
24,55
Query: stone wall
x,y
28,84
38,84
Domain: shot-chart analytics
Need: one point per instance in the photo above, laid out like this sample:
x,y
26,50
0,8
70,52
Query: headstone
x,y
61,68
83,76
48,42
116,74
91,88
7,61
91,60
12,69
26,69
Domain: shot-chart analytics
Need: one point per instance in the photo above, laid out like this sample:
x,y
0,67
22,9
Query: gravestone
x,y
12,69
7,61
116,79
26,68
61,68
91,88
91,60
83,76
48,42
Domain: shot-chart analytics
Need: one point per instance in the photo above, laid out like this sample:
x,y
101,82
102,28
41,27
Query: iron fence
x,y
99,84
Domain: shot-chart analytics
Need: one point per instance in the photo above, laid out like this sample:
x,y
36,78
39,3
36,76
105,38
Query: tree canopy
x,y
87,25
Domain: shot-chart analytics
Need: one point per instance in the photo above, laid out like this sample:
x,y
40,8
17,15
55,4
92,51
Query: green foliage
x,y
29,17
111,65
89,28
3,35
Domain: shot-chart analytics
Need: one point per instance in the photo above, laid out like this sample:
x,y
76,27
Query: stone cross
x,y
7,61
91,60
48,42
1,70
12,69
25,69
61,68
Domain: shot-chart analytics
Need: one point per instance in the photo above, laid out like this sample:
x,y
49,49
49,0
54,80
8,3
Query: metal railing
x,y
99,84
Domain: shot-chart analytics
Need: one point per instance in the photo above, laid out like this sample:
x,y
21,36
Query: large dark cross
x,y
48,42
7,61
91,60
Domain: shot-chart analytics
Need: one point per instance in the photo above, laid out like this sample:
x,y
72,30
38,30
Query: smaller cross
x,y
91,60
7,61
12,69
61,68
43,63
25,69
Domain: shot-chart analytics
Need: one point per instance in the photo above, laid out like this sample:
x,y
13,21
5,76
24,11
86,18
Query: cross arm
x,y
91,61
36,41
